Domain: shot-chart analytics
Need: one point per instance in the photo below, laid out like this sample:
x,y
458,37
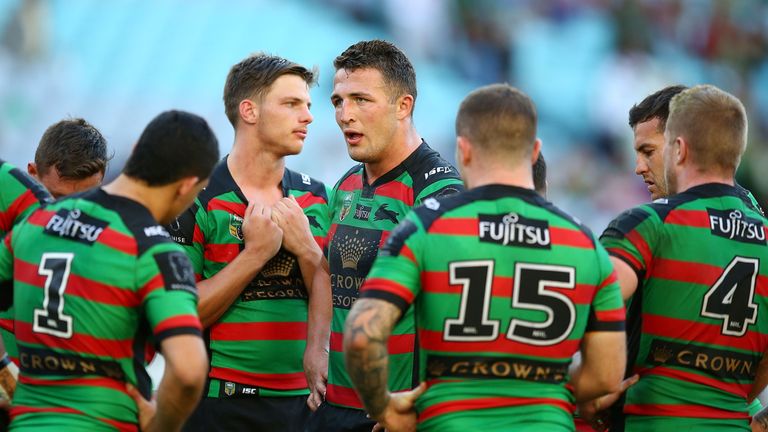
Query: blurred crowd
x,y
585,63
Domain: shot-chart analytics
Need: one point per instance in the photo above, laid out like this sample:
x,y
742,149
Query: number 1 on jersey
x,y
51,318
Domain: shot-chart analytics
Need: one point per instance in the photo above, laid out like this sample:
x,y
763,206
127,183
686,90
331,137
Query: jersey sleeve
x,y
188,230
607,309
396,273
630,238
6,272
441,187
168,293
19,196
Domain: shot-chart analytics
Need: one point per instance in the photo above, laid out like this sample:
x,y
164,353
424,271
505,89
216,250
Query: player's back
x,y
507,287
94,278
705,261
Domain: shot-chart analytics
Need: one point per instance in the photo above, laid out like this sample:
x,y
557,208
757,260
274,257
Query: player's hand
x,y
316,370
146,408
591,410
261,235
290,217
400,415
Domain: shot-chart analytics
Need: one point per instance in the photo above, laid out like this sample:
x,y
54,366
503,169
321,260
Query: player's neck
x,y
254,168
692,178
402,147
483,175
154,198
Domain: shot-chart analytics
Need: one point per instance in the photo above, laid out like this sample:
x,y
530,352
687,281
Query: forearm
x,y
368,368
217,293
175,403
314,270
584,388
8,375
366,332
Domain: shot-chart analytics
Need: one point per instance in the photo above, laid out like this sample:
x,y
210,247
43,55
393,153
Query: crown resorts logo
x,y
662,354
352,249
279,266
236,226
346,205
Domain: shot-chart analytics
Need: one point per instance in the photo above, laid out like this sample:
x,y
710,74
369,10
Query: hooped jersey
x,y
19,196
504,286
93,278
258,344
700,260
362,215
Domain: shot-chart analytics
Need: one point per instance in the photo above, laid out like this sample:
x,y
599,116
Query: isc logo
x,y
250,390
435,170
156,230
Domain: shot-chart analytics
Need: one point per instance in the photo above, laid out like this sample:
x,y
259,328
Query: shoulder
x,y
434,208
426,168
352,174
304,183
11,175
575,223
136,218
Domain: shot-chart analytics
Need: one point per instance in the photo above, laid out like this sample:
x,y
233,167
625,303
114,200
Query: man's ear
x,y
186,185
32,169
249,111
681,151
464,152
404,106
536,151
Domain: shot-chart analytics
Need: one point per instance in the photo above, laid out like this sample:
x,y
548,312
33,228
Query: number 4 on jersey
x,y
51,318
731,298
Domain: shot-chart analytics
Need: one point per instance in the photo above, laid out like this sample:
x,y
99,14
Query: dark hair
x,y
498,118
252,77
654,106
74,147
386,58
540,175
174,145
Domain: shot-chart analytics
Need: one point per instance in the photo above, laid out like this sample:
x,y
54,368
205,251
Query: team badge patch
x,y
229,388
236,226
177,271
345,206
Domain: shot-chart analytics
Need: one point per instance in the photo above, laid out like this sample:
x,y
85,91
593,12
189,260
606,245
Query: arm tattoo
x,y
366,332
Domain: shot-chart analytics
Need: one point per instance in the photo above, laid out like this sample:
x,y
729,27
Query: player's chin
x,y
358,154
293,148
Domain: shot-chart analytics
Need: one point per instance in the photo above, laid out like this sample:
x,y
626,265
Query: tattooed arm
x,y
367,330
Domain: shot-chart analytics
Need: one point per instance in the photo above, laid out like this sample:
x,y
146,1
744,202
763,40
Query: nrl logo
x,y
236,226
345,206
229,388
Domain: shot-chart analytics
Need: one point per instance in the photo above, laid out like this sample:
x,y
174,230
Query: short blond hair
x,y
713,123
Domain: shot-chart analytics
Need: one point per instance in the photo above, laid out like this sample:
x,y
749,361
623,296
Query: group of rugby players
x,y
411,295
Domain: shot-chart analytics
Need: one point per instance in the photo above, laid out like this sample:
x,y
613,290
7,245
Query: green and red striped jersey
x,y
260,340
19,196
94,278
362,216
504,286
700,260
